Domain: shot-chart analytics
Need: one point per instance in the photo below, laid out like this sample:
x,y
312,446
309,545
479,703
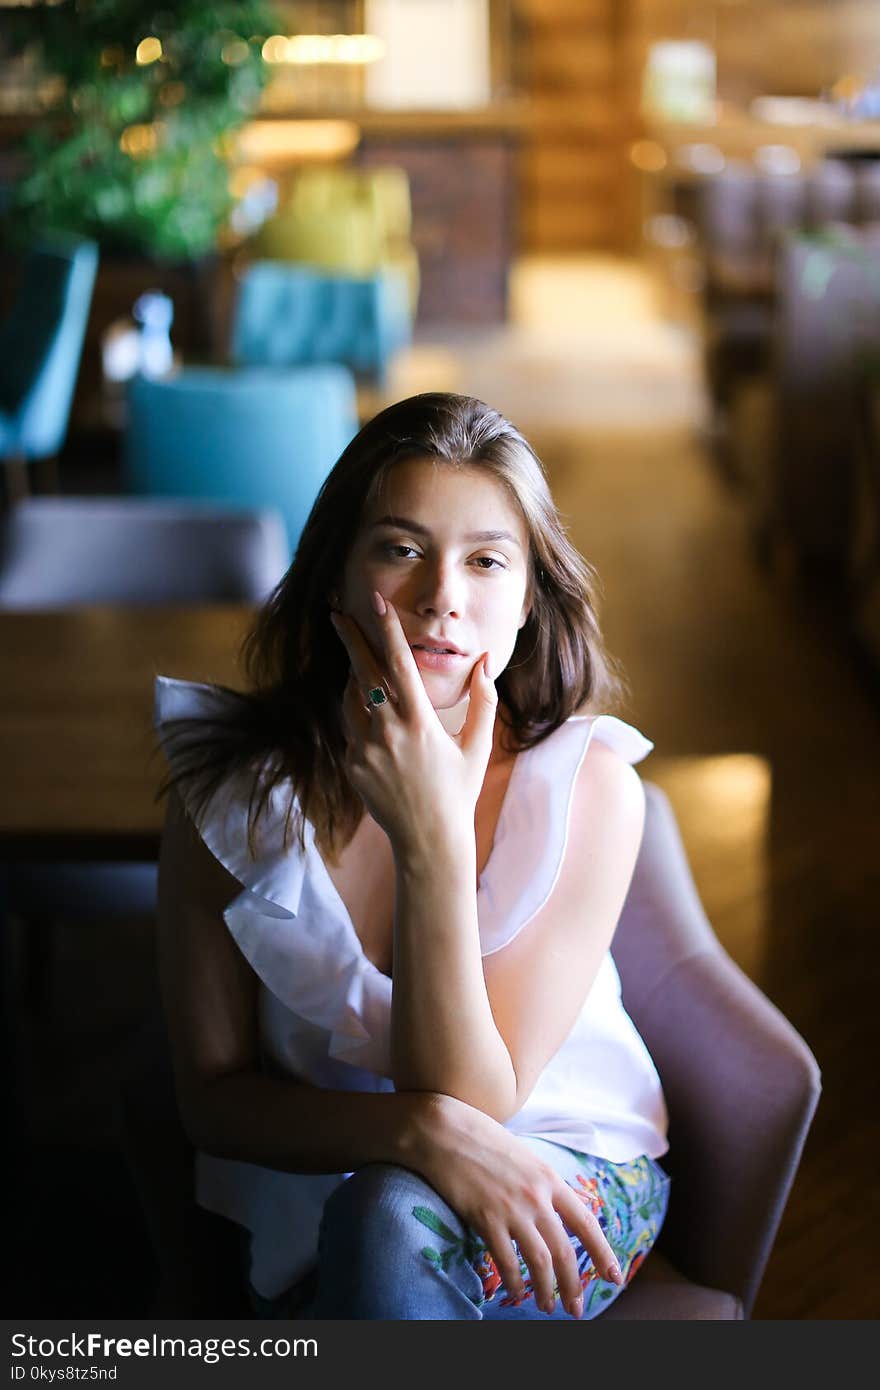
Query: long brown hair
x,y
288,726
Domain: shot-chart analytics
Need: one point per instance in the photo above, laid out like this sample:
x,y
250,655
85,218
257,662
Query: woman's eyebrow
x,y
405,523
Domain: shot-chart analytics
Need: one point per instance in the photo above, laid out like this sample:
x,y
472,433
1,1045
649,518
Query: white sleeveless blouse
x,y
325,1009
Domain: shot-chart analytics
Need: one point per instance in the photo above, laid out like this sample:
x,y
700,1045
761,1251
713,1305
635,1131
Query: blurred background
x,y
648,231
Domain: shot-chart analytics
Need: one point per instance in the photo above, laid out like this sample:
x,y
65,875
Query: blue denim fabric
x,y
391,1248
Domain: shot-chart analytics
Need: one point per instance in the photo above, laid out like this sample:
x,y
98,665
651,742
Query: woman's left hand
x,y
419,783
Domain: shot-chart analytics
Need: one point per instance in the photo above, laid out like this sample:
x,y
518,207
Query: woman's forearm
x,y
443,1035
299,1128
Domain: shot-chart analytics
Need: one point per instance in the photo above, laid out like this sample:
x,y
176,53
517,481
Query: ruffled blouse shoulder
x,y
275,874
532,832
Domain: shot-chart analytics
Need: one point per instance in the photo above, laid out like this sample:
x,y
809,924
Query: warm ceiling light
x,y
138,140
148,51
268,142
311,49
648,156
274,50
358,48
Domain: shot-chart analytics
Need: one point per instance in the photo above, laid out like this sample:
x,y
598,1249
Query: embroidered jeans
x,y
391,1248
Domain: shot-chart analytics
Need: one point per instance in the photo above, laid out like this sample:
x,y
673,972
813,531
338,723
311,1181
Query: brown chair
x,y
741,1087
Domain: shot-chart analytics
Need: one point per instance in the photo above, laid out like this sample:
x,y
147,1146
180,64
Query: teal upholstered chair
x,y
261,438
40,347
288,314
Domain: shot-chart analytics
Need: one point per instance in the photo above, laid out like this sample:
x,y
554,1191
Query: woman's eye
x,y
400,551
488,562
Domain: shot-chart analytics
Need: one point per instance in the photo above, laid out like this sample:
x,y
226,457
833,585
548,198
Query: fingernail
x,y
379,603
614,1273
577,1306
486,665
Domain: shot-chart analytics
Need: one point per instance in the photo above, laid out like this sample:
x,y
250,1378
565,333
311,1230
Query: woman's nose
x,y
440,592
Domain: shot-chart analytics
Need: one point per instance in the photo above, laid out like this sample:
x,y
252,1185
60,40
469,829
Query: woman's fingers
x,y
480,719
540,1262
403,673
503,1252
550,1257
565,1265
585,1225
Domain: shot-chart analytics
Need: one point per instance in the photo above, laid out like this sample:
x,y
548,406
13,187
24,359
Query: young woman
x,y
390,878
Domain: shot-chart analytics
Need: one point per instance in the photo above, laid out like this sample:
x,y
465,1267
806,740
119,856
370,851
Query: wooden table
x,y
79,768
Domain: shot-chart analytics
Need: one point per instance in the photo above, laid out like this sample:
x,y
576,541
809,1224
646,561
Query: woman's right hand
x,y
504,1191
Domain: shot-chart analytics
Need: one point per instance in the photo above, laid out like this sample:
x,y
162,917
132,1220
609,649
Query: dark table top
x,y
79,765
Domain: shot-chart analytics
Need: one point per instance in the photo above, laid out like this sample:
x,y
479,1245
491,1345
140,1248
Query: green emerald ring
x,y
377,695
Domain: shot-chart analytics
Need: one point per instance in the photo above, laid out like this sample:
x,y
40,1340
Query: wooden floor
x,y
725,663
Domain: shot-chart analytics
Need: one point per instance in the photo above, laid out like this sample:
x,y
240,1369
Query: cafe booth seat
x,y
258,438
40,348
741,1087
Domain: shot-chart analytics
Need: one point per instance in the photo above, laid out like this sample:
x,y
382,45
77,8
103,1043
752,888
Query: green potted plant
x,y
135,151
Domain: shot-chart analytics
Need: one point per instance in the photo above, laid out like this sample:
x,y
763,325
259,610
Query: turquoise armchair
x,y
261,438
40,348
293,314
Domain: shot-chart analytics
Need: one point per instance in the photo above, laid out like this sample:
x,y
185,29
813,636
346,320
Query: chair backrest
x,y
868,191
832,193
341,218
257,438
59,551
41,344
826,349
741,1084
745,212
288,314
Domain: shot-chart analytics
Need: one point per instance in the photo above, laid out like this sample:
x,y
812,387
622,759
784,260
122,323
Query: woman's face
x,y
448,547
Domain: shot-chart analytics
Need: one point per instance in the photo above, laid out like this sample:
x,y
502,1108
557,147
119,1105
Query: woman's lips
x,y
437,661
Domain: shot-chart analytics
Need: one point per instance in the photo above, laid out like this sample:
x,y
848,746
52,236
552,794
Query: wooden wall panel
x,y
571,225
571,160
556,14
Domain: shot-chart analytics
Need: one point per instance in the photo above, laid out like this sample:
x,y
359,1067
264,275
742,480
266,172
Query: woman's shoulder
x,y
586,761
